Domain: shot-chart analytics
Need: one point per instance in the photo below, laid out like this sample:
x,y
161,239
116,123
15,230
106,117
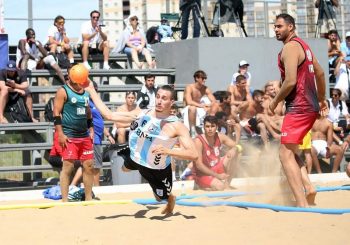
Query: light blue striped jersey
x,y
145,133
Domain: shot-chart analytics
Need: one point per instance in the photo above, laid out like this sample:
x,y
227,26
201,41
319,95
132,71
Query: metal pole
x,y
266,19
30,13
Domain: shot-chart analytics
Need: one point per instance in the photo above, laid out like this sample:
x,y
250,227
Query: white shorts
x,y
320,146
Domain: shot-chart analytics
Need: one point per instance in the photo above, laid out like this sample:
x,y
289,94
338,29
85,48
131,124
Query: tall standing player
x,y
304,101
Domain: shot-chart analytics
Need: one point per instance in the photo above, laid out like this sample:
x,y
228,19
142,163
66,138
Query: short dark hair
x,y
211,119
240,78
174,106
287,18
130,92
93,12
220,115
333,32
200,73
149,76
58,17
258,92
170,89
28,30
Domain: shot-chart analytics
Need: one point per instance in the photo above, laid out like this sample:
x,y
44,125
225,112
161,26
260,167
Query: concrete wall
x,y
219,58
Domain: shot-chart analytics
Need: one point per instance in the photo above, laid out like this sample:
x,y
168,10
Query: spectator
x,y
57,40
164,31
195,98
212,171
32,55
333,49
275,118
345,45
239,91
14,83
186,7
337,108
242,70
128,106
133,42
322,144
341,72
99,131
146,97
93,40
326,17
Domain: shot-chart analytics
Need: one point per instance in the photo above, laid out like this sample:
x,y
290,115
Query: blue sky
x,y
48,9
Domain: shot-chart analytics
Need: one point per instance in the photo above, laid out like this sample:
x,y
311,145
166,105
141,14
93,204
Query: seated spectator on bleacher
x,y
129,106
252,119
57,40
93,40
322,144
345,45
164,31
333,49
242,70
338,108
14,83
133,42
214,169
342,74
32,55
146,97
196,107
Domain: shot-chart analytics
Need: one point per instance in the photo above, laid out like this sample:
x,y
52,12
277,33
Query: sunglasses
x,y
132,19
335,95
60,22
95,17
130,92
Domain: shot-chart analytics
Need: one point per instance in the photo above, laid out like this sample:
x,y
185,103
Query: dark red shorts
x,y
79,149
204,181
296,126
56,149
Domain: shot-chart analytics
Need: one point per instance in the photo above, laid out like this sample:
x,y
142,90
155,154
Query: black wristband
x,y
57,120
90,123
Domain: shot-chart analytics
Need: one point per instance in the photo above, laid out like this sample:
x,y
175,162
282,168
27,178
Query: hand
x,y
92,134
231,153
159,149
110,139
345,146
62,140
139,48
10,83
323,108
328,153
222,176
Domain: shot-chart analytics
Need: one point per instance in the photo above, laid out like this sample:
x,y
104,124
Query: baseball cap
x,y
11,65
243,62
347,34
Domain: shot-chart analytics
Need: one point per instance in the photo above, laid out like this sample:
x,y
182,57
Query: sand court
x,y
131,223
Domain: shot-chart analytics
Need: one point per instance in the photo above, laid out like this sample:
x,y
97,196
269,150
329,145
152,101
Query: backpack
x,y
18,111
48,112
340,103
62,60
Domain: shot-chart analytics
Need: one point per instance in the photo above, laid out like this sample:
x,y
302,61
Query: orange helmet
x,y
79,74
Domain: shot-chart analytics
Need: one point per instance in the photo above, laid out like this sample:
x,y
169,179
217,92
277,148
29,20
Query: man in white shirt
x,y
57,39
94,40
337,108
242,70
342,73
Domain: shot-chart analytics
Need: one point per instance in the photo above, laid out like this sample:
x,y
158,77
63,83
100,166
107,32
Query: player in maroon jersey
x,y
298,69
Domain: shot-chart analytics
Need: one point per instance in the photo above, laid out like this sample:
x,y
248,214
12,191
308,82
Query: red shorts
x,y
78,149
204,181
296,126
56,149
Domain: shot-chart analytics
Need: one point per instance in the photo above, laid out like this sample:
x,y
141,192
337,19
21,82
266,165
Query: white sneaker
x,y
87,66
106,67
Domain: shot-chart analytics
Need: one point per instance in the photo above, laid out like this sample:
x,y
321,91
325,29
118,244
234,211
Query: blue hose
x,y
181,201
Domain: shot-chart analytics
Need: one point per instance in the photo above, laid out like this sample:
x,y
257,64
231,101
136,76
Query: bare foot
x,y
35,120
170,205
125,169
310,197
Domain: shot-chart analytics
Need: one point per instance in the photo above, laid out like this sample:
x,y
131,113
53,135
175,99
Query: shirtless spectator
x,y
333,48
212,170
252,118
129,106
239,91
196,108
276,118
322,144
